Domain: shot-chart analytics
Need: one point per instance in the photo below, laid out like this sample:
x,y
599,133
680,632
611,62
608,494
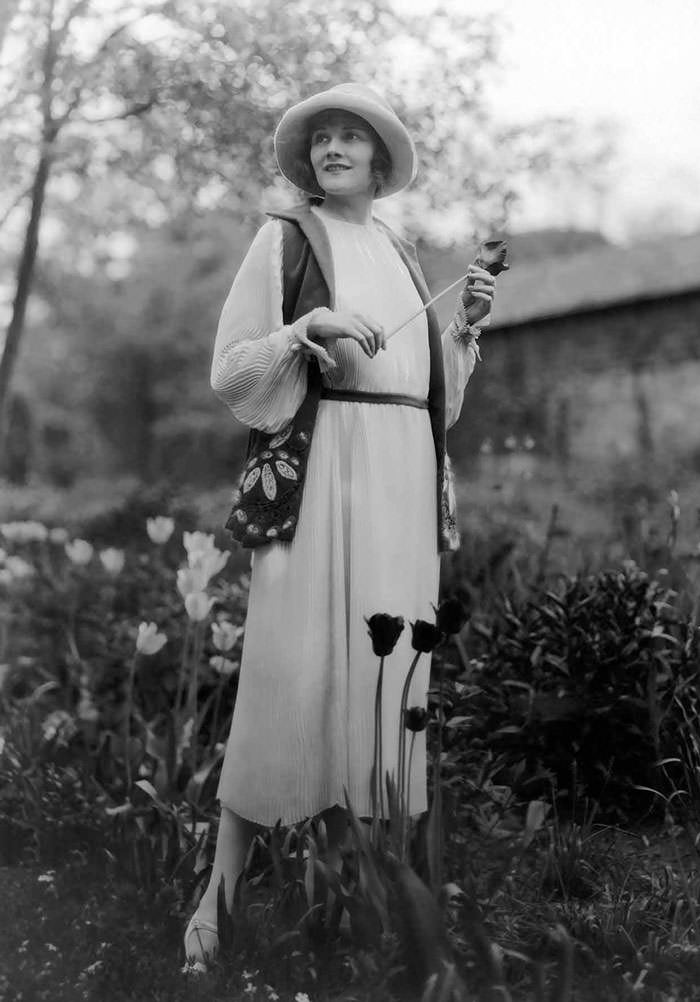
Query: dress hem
x,y
300,820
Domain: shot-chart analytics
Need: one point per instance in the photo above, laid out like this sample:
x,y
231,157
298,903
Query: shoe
x,y
196,957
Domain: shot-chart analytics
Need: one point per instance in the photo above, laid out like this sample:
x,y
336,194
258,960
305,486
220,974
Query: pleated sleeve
x,y
460,351
259,366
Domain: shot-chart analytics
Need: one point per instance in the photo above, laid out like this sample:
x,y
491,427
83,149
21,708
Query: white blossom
x,y
198,605
79,552
223,666
160,528
112,560
18,568
225,635
191,579
197,544
24,532
149,640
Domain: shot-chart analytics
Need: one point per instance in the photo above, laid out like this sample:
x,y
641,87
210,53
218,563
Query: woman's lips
x,y
333,168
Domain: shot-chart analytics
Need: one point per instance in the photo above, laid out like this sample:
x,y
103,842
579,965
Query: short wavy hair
x,y
380,166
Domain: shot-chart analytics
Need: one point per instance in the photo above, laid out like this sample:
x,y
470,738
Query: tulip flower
x,y
225,635
149,640
160,529
198,605
425,636
223,666
87,711
58,535
79,552
450,616
112,560
209,562
415,719
24,532
197,544
18,568
384,630
190,580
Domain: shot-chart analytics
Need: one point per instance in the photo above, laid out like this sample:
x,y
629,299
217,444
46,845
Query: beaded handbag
x,y
267,498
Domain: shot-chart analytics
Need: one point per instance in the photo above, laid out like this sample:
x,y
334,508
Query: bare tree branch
x,y
14,203
133,111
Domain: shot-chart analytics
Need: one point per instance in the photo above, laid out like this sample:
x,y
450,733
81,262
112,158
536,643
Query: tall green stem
x,y
437,793
376,779
402,732
193,688
406,819
215,717
127,720
181,678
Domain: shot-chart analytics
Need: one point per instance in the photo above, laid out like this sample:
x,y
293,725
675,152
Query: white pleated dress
x,y
366,542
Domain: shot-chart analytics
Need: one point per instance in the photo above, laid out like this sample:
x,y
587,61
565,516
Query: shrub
x,y
576,689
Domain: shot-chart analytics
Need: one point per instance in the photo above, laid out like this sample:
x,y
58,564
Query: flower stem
x,y
181,677
193,687
437,791
381,738
406,821
215,717
127,721
376,780
402,732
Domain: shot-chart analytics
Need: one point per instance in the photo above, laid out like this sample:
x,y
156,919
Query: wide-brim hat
x,y
291,138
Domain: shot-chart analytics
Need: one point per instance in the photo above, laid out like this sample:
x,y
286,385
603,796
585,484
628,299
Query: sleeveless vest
x,y
268,496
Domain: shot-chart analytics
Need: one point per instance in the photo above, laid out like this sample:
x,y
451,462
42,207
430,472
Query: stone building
x,y
593,356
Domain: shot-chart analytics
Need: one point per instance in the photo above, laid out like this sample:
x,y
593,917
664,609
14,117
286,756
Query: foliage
x,y
577,688
538,899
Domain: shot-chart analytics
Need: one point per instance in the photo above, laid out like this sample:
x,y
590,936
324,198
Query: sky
x,y
632,63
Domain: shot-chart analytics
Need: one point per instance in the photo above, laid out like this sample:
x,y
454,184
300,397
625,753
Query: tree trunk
x,y
25,275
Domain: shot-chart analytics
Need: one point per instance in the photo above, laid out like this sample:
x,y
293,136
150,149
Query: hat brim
x,y
292,145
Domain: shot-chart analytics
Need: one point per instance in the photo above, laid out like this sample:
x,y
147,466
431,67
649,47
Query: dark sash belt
x,y
364,397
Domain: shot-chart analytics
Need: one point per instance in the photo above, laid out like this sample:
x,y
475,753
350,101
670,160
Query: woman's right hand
x,y
329,325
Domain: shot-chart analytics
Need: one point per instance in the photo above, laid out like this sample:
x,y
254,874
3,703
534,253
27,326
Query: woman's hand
x,y
478,294
330,325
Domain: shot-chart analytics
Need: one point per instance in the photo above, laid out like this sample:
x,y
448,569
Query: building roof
x,y
597,278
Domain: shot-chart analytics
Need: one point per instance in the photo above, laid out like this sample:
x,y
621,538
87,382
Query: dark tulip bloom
x,y
451,615
416,719
425,636
384,630
492,256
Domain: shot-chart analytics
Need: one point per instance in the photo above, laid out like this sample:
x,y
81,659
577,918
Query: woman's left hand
x,y
478,293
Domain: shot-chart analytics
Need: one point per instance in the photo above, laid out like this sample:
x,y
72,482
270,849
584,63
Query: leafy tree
x,y
126,114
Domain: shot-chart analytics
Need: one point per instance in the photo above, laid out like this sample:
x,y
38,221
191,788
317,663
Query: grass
x,y
80,932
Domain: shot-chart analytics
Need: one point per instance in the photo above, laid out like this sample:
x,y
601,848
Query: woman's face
x,y
342,148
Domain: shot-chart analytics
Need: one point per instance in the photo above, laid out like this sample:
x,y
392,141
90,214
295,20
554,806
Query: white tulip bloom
x,y
79,552
160,529
149,640
112,560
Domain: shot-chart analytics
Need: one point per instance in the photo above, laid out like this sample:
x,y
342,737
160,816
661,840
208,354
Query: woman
x,y
357,534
